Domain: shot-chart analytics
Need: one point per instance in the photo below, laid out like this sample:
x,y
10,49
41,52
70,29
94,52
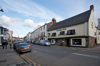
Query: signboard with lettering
x,y
61,29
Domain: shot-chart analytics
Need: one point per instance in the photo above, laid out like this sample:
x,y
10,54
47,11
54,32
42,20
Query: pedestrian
x,y
6,43
3,44
10,44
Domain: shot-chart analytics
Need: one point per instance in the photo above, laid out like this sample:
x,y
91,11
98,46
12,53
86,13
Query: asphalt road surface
x,y
63,56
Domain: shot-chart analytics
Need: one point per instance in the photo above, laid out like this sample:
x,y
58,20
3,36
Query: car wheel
x,y
14,49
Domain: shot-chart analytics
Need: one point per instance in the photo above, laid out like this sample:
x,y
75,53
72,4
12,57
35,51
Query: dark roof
x,y
78,19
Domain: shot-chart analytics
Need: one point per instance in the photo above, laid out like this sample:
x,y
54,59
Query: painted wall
x,y
98,36
91,25
80,30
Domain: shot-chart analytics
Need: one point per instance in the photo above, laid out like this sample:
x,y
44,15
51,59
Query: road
x,y
63,56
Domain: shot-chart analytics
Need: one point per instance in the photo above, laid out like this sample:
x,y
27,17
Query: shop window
x,y
57,40
70,32
62,32
77,42
53,34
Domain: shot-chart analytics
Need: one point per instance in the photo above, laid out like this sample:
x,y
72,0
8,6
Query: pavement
x,y
9,57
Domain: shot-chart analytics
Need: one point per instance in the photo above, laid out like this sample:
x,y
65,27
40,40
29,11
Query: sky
x,y
23,16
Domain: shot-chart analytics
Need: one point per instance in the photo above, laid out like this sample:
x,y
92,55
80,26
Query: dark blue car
x,y
14,45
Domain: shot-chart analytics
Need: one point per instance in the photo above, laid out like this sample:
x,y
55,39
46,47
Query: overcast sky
x,y
23,16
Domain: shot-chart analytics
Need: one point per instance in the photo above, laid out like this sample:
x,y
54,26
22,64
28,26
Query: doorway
x,y
67,42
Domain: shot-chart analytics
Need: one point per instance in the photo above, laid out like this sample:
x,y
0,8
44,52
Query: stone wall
x,y
90,42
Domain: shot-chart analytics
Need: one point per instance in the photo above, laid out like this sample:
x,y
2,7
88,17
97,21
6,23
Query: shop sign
x,y
61,29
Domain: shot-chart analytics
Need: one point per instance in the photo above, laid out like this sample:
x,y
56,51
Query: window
x,y
98,33
94,33
92,25
41,28
57,40
48,34
62,32
76,42
53,34
44,33
70,32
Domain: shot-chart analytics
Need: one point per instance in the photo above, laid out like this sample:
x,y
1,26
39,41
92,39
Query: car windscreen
x,y
46,41
24,44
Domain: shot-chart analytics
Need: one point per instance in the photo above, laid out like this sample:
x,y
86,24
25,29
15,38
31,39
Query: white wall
x,y
44,30
98,36
91,30
80,30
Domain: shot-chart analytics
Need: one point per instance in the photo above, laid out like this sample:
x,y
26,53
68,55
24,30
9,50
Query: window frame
x,y
53,34
62,33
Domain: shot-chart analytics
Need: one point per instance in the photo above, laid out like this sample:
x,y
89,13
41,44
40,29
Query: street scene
x,y
49,33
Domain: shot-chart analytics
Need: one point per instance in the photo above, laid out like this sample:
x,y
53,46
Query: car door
x,y
17,46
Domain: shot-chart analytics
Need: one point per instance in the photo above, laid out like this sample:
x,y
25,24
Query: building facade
x,y
41,32
10,32
28,37
4,34
79,30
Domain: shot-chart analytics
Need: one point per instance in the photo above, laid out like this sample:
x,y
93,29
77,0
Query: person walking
x,y
10,44
3,44
6,43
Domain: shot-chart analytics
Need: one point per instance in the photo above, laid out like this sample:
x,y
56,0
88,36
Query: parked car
x,y
33,42
45,42
23,47
37,42
14,45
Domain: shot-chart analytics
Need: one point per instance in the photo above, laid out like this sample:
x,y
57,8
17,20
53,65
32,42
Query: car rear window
x,y
23,44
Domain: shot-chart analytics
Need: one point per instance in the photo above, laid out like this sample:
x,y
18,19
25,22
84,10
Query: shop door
x,y
67,41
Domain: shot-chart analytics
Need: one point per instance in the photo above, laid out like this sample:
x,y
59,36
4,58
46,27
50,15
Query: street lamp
x,y
1,10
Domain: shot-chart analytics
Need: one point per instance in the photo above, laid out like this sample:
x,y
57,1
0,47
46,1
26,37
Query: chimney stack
x,y
92,7
54,20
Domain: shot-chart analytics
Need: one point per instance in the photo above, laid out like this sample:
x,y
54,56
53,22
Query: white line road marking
x,y
87,55
96,51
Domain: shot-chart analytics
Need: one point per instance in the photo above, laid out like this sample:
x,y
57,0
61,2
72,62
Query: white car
x,y
45,42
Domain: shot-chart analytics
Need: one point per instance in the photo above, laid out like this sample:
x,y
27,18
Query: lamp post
x,y
1,10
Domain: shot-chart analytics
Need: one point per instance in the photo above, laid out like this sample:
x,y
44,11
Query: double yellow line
x,y
29,61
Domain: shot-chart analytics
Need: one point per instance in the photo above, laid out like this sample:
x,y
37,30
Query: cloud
x,y
8,21
31,24
30,8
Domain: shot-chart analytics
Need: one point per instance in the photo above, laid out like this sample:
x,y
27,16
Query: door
x,y
67,42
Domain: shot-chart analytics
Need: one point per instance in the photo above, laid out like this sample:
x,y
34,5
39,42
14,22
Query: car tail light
x,y
30,46
22,48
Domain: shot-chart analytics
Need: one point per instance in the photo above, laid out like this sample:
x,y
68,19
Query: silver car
x,y
45,42
23,47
